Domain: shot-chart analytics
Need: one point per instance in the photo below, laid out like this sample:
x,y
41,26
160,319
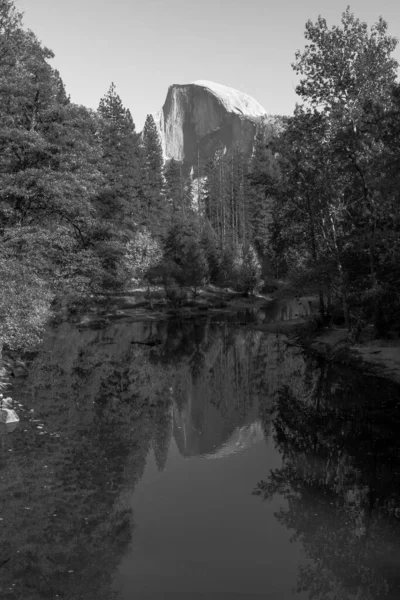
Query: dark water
x,y
214,463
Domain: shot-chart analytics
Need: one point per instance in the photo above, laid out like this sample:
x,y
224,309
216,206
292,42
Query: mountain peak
x,y
200,117
233,100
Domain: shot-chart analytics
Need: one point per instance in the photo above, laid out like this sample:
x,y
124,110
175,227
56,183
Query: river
x,y
197,458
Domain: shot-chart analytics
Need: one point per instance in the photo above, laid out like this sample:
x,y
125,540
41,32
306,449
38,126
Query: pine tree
x,y
152,177
263,179
48,177
209,244
211,192
120,201
174,185
217,195
239,197
194,266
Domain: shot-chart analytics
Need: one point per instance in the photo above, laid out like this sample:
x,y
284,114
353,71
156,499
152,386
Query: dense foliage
x,y
89,205
336,212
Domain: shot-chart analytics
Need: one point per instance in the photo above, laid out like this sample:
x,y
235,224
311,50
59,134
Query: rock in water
x,y
8,419
197,118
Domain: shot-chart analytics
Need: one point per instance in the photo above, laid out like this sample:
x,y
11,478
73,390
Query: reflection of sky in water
x,y
200,531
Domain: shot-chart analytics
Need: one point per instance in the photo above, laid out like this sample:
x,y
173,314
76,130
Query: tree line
x,y
89,205
336,210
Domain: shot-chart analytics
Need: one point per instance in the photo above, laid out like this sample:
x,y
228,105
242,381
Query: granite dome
x,y
198,118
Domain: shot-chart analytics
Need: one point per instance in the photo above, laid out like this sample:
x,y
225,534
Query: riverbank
x,y
138,305
291,317
376,357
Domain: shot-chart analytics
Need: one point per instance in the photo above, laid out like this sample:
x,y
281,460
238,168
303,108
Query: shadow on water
x,y
337,433
99,406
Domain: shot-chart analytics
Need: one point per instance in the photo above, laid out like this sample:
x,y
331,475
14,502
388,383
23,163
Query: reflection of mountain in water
x,y
241,439
105,399
201,430
217,412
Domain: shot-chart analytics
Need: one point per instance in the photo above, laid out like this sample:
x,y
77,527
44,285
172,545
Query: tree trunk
x,y
342,281
314,257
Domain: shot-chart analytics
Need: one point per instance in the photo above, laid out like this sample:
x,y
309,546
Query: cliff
x,y
197,118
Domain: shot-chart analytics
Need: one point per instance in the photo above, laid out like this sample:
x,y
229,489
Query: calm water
x,y
215,463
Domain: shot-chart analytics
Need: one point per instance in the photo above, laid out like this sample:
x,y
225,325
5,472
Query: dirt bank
x,y
377,357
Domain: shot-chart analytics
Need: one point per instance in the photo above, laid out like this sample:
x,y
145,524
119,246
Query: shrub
x,y
248,270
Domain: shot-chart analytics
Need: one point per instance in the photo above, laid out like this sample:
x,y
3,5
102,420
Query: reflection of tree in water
x,y
237,368
340,475
186,341
101,402
100,405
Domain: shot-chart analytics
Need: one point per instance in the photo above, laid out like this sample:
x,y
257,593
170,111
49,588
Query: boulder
x,y
8,419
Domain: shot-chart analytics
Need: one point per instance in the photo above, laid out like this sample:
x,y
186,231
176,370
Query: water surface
x,y
215,462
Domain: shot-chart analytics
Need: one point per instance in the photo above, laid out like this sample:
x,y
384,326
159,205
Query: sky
x,y
146,46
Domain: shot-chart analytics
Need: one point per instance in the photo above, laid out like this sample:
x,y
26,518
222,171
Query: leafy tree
x,y
308,226
346,71
143,253
330,221
249,275
24,304
346,65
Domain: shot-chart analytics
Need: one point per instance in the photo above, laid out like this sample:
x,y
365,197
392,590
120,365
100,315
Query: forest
x,y
88,206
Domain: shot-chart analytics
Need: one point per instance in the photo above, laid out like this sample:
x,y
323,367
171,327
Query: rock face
x,y
197,118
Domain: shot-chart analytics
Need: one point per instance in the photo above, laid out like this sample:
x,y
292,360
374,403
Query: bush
x,y
25,302
143,253
175,294
249,271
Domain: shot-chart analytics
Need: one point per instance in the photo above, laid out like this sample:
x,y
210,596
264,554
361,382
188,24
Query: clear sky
x,y
145,46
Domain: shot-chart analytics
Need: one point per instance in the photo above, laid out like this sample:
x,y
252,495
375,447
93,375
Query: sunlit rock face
x,y
197,118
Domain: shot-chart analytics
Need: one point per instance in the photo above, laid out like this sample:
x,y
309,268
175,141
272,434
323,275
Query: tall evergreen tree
x,y
263,178
174,185
48,177
120,201
152,177
239,195
209,243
